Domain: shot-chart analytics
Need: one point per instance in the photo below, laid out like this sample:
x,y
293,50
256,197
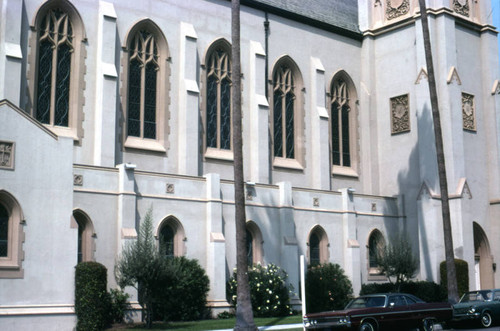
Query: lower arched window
x,y
254,243
85,251
167,241
376,245
11,237
171,237
318,246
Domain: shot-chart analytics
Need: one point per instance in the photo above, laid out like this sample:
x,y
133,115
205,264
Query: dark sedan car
x,y
482,306
392,311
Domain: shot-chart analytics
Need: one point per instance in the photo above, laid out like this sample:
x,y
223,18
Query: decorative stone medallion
x,y
400,114
396,8
6,155
77,180
170,188
461,7
316,202
468,112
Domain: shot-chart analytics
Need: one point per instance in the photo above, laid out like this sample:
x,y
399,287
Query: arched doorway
x,y
483,260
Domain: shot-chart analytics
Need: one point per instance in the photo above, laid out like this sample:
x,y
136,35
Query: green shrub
x,y
268,290
118,305
427,291
92,301
462,270
183,293
327,288
373,288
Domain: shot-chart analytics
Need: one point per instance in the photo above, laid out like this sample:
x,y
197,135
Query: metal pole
x,y
303,282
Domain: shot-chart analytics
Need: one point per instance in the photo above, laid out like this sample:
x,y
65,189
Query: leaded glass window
x,y
376,244
4,231
314,249
284,113
249,248
167,241
142,86
81,229
218,100
55,52
341,155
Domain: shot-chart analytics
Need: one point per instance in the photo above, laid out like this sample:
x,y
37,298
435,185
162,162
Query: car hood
x,y
470,304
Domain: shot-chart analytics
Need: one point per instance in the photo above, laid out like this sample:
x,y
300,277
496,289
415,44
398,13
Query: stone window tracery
x,y
57,68
218,99
145,89
142,88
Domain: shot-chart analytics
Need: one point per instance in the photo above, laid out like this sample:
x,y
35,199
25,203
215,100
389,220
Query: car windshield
x,y
476,296
364,302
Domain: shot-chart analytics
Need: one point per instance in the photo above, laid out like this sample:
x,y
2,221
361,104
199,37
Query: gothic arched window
x,y
284,112
318,246
341,151
376,245
167,241
57,67
146,86
142,85
218,98
55,50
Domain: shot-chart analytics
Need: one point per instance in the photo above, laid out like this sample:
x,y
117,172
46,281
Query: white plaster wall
x,y
42,184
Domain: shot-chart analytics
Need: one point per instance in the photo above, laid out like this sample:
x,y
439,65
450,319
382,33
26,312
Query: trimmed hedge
x,y
462,269
182,293
92,301
427,291
327,288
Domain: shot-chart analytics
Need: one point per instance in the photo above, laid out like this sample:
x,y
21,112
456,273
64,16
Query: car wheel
x,y
428,324
367,326
486,320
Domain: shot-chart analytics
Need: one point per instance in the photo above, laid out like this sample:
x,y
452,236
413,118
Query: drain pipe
x,y
266,33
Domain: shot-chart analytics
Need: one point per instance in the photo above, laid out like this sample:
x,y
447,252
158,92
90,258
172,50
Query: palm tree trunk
x,y
244,314
451,275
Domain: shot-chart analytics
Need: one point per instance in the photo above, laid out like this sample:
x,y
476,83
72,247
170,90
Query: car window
x,y
363,302
475,296
397,301
410,300
496,296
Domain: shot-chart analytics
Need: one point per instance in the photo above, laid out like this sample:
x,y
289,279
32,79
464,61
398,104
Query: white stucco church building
x,y
110,107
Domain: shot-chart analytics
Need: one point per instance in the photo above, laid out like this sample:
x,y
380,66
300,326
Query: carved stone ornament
x,y
461,7
468,112
400,114
170,188
6,155
396,8
316,202
77,180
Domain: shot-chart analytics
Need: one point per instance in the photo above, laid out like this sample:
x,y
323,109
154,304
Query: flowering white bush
x,y
268,289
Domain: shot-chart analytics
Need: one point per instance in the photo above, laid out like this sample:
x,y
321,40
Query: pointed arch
x,y
217,123
287,114
376,244
145,88
483,259
11,236
254,243
343,124
57,68
86,235
317,250
171,236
